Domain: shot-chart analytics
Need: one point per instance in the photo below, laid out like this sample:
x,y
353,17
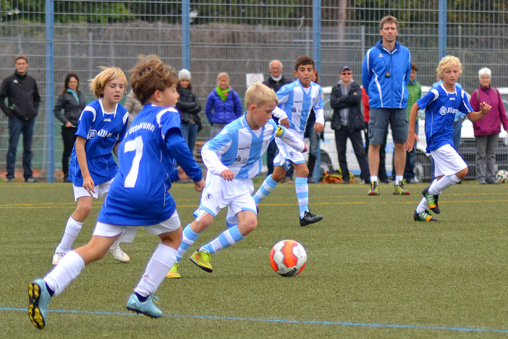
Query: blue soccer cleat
x,y
146,307
38,296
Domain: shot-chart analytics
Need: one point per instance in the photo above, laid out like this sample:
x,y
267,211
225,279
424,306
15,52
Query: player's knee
x,y
277,177
247,226
462,174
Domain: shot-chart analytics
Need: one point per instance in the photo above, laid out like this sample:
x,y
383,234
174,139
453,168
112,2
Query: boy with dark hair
x,y
296,100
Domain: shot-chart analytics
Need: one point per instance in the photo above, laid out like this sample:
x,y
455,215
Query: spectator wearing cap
x,y
223,104
486,131
348,122
189,108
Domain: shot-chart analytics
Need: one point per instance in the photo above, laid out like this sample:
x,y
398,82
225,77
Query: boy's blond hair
x,y
259,95
98,83
222,74
447,62
150,75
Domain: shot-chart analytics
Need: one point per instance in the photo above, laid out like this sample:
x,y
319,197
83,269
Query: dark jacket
x,y
71,109
188,106
223,111
22,95
275,85
352,101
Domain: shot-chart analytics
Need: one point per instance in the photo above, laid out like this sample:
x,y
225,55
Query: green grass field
x,y
372,271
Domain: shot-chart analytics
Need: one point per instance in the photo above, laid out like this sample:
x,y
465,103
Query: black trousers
x,y
341,136
68,137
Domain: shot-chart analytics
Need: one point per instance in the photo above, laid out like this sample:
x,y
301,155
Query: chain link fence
x,y
237,37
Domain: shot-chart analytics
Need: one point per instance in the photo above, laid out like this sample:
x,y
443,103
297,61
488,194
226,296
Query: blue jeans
x,y
16,127
190,134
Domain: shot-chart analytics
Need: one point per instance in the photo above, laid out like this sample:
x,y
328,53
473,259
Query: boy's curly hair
x,y
447,62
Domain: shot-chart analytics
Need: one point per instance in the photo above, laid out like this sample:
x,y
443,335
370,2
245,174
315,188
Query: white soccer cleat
x,y
57,257
117,252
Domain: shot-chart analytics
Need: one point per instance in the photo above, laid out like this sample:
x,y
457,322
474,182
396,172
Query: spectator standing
x,y
223,104
72,102
414,90
383,177
275,81
189,108
385,75
132,105
313,138
23,98
348,122
486,131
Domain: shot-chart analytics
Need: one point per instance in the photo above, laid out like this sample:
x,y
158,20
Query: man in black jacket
x,y
22,94
348,122
275,81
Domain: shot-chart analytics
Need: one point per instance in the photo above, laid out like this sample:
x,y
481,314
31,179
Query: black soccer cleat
x,y
310,218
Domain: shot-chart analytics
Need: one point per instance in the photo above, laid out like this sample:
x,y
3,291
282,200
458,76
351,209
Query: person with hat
x,y
348,122
189,108
385,75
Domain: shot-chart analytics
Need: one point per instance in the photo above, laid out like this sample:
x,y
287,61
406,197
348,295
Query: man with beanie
x,y
22,94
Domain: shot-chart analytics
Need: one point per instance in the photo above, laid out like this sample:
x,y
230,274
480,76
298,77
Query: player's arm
x,y
88,183
281,115
319,125
291,140
477,116
411,137
180,152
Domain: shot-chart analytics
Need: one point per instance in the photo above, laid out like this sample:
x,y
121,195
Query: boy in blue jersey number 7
x,y
296,100
233,158
138,196
441,105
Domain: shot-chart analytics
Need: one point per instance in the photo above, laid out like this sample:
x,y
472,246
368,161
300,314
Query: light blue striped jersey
x,y
238,148
297,103
440,110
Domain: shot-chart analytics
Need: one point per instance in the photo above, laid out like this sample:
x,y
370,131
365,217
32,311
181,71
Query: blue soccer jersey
x,y
101,130
297,102
440,110
238,148
139,194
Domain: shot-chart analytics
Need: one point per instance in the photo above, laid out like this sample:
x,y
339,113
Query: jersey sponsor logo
x,y
450,110
107,120
101,133
243,148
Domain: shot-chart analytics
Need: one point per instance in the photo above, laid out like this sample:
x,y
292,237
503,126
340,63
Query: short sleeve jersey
x,y
298,102
101,130
240,148
440,107
139,194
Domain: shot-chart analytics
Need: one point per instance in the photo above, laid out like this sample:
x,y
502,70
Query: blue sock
x,y
226,239
188,238
302,193
266,188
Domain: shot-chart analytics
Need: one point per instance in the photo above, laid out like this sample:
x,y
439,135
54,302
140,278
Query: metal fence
x,y
237,37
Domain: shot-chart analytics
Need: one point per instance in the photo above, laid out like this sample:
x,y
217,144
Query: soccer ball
x,y
502,176
288,258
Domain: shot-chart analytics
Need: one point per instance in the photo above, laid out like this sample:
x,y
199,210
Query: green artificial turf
x,y
372,271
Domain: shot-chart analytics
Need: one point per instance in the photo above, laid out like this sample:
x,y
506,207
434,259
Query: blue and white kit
x,y
101,131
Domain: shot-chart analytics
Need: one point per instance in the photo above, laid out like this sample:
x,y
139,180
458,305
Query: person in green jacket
x,y
415,92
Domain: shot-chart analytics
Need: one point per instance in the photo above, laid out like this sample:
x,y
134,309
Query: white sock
x,y
158,266
71,232
438,186
68,269
398,178
422,206
373,178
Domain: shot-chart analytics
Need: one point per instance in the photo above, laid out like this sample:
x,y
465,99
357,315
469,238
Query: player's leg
x,y
163,258
270,183
302,194
74,223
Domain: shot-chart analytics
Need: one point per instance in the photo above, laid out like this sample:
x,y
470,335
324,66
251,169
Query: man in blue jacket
x,y
385,75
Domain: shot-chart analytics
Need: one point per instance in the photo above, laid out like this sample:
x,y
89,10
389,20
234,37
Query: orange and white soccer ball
x,y
288,258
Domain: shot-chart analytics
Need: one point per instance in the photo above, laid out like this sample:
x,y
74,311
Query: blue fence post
x,y
186,34
442,29
316,55
50,91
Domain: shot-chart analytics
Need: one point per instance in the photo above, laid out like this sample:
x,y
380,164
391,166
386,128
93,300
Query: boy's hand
x,y
485,108
227,175
284,122
411,141
200,185
89,185
319,127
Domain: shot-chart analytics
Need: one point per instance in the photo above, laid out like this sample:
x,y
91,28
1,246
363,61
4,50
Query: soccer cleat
x,y
31,179
431,200
424,216
374,188
202,259
38,297
400,189
117,252
309,218
57,257
147,307
173,272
